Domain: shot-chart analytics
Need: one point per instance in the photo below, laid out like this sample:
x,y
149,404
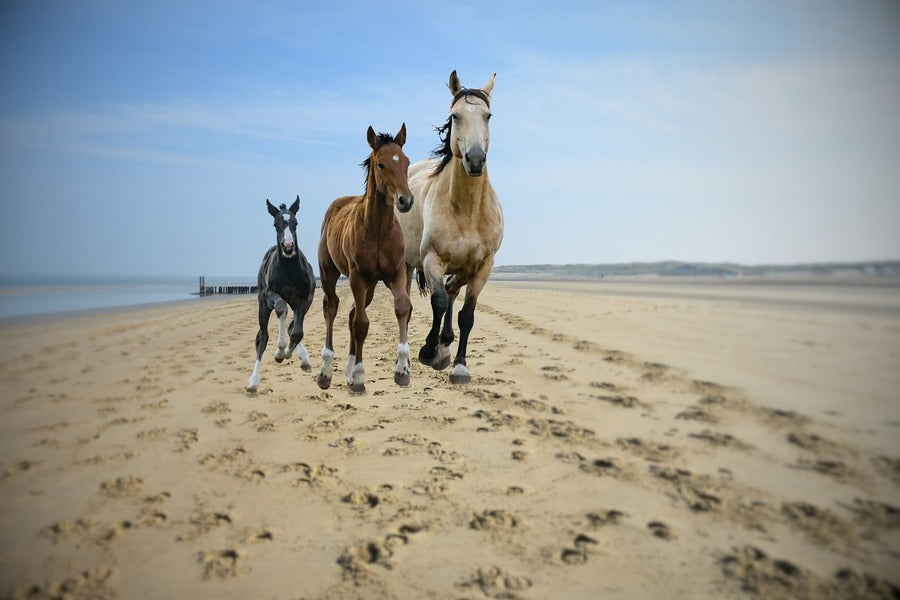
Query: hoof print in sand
x,y
876,516
494,583
361,498
579,554
660,530
888,466
819,524
128,485
493,519
63,529
89,584
776,578
717,438
187,438
604,517
221,564
687,487
697,413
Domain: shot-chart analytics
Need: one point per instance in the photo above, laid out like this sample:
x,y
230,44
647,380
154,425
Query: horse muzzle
x,y
474,161
404,203
287,249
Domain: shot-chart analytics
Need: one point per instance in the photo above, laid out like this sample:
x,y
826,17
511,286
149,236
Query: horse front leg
x,y
432,353
466,318
402,310
277,303
262,338
330,304
359,329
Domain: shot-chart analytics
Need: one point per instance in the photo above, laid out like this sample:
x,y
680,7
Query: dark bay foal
x,y
285,278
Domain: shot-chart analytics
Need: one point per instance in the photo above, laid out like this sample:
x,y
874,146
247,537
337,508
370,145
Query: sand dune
x,y
618,440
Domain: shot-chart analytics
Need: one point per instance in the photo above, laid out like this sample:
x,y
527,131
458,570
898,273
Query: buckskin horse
x,y
456,225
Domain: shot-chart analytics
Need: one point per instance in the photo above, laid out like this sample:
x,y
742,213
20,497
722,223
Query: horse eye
x,y
454,116
381,165
488,117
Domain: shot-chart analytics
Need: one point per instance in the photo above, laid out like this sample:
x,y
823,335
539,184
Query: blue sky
x,y
144,137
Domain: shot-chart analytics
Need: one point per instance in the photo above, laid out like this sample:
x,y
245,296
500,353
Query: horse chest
x,y
292,284
464,249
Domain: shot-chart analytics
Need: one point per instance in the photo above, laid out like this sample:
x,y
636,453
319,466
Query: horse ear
x,y
486,88
272,210
455,86
296,205
370,135
400,138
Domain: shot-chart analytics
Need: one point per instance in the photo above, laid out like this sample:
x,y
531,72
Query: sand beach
x,y
621,439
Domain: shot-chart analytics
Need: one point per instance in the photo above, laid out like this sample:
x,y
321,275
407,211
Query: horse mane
x,y
443,150
380,140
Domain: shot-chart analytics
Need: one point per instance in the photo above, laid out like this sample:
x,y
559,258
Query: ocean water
x,y
34,296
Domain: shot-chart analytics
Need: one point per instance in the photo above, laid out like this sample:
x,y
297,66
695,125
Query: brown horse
x,y
362,239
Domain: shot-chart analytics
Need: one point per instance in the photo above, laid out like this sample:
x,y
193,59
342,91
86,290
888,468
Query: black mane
x,y
443,150
380,140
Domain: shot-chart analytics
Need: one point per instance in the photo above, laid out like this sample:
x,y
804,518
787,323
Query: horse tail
x,y
422,283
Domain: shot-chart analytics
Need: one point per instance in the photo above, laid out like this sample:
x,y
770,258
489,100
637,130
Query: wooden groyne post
x,y
211,290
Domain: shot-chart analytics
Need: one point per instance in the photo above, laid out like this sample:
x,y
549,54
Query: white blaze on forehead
x,y
395,158
286,217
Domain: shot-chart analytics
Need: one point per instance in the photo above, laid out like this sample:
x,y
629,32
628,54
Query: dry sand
x,y
621,440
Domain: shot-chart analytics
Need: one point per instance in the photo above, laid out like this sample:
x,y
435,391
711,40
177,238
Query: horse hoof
x,y
401,379
251,389
441,364
458,378
324,382
306,367
279,359
426,355
358,388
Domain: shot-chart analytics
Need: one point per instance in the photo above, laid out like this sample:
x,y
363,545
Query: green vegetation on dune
x,y
696,269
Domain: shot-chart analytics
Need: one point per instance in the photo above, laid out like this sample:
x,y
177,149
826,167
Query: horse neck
x,y
378,215
287,265
467,193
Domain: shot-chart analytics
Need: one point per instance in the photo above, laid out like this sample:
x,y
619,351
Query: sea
x,y
35,296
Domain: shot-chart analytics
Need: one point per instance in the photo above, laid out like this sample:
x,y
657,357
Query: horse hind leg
x,y
330,303
402,310
359,330
433,353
